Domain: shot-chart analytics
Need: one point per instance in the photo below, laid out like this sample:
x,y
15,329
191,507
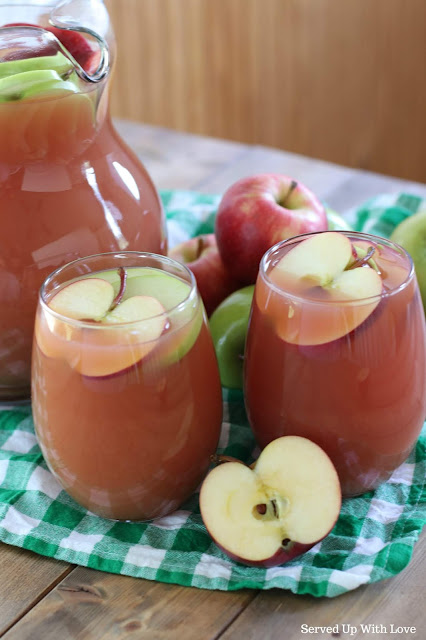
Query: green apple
x,y
228,326
411,234
335,221
59,63
30,83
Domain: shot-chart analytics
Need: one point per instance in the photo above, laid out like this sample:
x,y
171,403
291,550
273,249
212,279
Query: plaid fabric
x,y
372,540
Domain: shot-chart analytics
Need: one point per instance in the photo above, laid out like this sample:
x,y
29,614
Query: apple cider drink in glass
x,y
126,394
336,352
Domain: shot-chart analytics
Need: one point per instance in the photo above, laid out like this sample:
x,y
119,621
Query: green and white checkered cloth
x,y
372,540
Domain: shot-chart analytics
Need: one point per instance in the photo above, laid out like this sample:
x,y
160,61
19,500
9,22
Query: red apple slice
x,y
315,261
96,350
104,352
327,297
138,308
84,299
186,317
270,514
73,41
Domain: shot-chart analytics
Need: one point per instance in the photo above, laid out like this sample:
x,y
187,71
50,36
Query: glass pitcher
x,y
69,185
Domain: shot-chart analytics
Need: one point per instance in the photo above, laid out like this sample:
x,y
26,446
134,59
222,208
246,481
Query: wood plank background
x,y
340,80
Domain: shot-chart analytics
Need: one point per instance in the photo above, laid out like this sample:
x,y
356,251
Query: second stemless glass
x,y
361,396
127,426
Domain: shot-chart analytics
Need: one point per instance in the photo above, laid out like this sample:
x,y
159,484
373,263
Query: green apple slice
x,y
50,88
58,63
146,281
30,83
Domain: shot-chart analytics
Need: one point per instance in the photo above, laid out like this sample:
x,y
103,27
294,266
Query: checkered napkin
x,y
372,540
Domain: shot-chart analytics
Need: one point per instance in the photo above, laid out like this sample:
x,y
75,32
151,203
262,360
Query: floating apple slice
x,y
337,295
109,351
97,350
185,319
84,299
317,260
272,513
58,63
137,308
13,87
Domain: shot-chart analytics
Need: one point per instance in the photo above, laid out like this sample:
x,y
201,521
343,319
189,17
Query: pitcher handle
x,y
62,17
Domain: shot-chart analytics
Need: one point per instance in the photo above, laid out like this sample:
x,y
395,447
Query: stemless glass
x,y
127,422
360,395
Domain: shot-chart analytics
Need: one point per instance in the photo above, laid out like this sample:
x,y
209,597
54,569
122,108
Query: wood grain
x,y
398,601
25,579
89,605
342,81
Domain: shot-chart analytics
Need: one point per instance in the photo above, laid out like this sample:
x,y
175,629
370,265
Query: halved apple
x,y
272,513
329,294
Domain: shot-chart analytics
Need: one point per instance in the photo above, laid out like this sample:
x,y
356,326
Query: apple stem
x,y
366,259
123,281
292,187
200,247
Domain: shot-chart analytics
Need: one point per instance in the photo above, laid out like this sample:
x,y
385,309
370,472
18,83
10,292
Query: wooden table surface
x,y
46,599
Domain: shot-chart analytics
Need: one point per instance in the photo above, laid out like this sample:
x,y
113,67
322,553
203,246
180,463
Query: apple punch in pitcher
x,y
336,352
126,394
69,186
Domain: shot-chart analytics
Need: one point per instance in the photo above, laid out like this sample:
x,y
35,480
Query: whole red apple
x,y
201,255
257,212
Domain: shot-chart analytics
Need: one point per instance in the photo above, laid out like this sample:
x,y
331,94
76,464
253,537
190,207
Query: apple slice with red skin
x,y
201,255
267,515
329,296
73,41
186,317
257,212
84,299
92,349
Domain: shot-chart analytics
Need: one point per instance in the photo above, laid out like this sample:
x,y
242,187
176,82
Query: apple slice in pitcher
x,y
276,511
330,291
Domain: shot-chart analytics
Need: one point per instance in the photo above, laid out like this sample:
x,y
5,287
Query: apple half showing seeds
x,y
326,268
267,515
